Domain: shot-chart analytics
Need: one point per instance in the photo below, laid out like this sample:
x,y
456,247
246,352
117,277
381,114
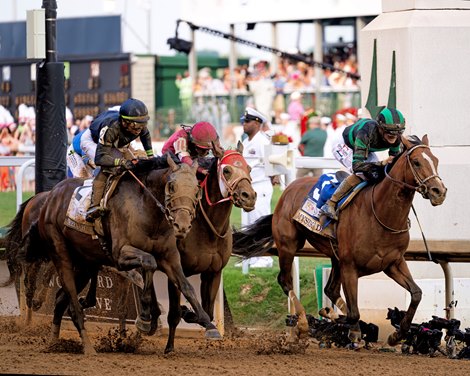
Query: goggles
x,y
135,126
394,129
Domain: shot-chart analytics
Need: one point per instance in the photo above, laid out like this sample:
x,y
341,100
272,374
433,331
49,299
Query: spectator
x,y
295,108
185,86
311,145
262,87
253,150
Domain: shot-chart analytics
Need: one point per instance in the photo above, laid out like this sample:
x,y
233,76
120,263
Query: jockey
x,y
194,142
121,128
356,151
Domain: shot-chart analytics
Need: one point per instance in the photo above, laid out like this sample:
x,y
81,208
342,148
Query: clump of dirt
x,y
281,344
115,342
70,346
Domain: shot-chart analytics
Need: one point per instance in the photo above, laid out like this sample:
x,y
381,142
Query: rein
x,y
160,206
393,231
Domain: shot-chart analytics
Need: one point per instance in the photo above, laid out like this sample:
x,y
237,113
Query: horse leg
x,y
172,267
131,258
147,320
45,281
333,287
210,283
65,269
174,315
400,273
350,278
90,298
30,280
287,247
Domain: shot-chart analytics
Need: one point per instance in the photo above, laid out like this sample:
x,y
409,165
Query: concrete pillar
x,y
275,44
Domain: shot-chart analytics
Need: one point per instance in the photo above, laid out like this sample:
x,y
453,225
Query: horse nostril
x,y
245,195
438,191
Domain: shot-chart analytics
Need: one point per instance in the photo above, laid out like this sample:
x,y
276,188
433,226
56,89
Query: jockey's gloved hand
x,y
181,147
126,164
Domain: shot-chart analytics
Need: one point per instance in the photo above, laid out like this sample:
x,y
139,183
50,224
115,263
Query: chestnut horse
x,y
136,229
208,246
371,234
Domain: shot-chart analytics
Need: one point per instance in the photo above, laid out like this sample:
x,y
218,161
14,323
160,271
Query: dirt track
x,y
24,351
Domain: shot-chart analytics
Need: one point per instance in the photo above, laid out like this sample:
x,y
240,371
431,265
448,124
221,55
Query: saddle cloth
x,y
309,213
78,206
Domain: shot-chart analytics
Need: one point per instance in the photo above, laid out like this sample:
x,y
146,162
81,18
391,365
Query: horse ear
x,y
240,147
217,150
171,163
425,140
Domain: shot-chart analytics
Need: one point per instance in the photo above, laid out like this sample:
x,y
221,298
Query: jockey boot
x,y
95,210
329,209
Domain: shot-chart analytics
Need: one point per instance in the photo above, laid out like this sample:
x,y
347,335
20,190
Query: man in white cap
x,y
253,150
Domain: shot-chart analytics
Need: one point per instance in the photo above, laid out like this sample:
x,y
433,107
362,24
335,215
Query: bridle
x,y
229,185
421,187
171,204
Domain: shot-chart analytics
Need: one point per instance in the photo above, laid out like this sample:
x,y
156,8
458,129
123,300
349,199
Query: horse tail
x,y
33,248
12,244
255,239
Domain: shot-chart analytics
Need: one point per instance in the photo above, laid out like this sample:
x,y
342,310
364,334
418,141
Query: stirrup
x,y
327,211
93,213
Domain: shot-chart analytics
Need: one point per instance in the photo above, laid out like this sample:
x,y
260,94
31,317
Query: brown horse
x,y
139,234
38,274
208,246
372,233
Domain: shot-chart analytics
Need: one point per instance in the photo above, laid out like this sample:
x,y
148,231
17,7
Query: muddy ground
x,y
244,352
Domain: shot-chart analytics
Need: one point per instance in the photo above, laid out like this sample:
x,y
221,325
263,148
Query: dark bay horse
x,y
208,246
372,233
140,234
38,274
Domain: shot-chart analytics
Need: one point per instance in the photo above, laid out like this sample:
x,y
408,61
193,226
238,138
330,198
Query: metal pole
x,y
449,281
318,55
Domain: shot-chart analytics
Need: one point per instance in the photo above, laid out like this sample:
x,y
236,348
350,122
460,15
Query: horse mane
x,y
415,140
144,166
207,163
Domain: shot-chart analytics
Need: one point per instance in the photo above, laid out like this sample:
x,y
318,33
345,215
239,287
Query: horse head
x,y
234,178
182,193
420,170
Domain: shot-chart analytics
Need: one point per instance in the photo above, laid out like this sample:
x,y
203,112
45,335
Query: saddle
x,y
80,202
309,212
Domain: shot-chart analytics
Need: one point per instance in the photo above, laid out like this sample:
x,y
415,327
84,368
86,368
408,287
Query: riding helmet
x,y
203,134
391,120
134,110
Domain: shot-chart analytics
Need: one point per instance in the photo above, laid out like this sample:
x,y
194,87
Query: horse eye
x,y
227,172
416,163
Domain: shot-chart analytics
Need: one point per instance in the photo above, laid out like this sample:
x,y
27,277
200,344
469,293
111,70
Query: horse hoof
x,y
143,326
213,334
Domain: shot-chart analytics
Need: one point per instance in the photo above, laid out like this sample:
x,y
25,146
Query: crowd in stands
x,y
287,78
278,96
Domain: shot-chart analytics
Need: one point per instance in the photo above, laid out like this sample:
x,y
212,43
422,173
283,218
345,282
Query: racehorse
x,y
140,230
208,246
372,234
37,275
28,213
